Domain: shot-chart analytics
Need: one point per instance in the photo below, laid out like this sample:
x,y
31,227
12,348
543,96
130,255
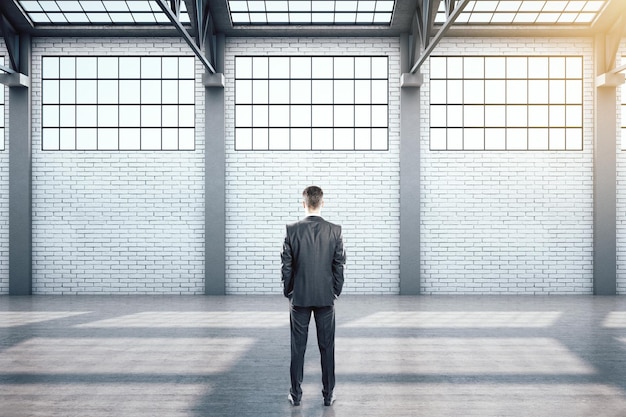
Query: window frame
x,y
94,95
548,118
268,124
3,99
622,114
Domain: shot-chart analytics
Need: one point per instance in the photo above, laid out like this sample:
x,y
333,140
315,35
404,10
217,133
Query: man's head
x,y
313,198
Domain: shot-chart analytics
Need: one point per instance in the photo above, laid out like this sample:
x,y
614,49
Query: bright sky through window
x,y
2,92
311,12
622,90
101,12
526,12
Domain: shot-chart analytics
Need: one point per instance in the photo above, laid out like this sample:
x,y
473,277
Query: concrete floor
x,y
437,356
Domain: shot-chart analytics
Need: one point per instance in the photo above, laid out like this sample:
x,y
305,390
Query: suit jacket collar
x,y
314,217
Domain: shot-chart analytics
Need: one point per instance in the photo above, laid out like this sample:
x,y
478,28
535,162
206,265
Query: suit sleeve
x,y
286,258
339,260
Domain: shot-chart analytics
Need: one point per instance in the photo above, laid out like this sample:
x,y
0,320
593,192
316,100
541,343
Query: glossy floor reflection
x,y
396,356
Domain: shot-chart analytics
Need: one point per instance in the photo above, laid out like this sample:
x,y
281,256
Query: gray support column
x,y
604,181
409,176
215,183
20,180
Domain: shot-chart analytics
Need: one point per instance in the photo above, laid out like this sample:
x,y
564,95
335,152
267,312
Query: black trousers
x,y
325,323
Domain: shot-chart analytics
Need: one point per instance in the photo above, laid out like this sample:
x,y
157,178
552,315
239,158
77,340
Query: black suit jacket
x,y
312,262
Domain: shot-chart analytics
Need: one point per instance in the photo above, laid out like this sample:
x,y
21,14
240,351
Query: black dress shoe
x,y
330,400
293,401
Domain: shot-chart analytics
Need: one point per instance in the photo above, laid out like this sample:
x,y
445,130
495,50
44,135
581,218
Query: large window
x,y
506,103
97,12
118,103
2,111
311,12
526,12
623,94
311,103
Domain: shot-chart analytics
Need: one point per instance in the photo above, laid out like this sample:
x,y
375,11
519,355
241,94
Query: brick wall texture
x,y
4,189
508,222
117,222
491,222
361,189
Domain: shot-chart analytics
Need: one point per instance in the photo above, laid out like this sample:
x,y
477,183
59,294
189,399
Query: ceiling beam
x,y
15,14
621,68
12,42
453,10
192,9
172,12
606,17
614,38
610,33
11,75
204,26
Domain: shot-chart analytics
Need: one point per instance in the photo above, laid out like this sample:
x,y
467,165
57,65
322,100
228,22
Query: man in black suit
x,y
312,272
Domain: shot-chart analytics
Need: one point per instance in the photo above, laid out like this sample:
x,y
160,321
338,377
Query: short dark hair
x,y
313,196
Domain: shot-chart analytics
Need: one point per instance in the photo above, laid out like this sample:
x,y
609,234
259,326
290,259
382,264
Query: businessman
x,y
312,258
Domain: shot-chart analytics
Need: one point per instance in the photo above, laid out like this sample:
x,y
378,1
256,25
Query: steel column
x,y
604,179
20,179
215,184
410,268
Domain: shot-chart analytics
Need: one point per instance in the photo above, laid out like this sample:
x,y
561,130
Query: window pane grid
x,y
526,12
86,12
2,130
506,103
311,103
622,90
311,12
118,103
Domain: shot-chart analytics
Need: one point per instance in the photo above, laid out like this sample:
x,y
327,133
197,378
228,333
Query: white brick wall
x,y
4,189
621,191
492,222
117,222
263,189
508,222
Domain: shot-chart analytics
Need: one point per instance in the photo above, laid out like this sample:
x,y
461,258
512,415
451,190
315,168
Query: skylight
x,y
311,12
525,12
100,12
